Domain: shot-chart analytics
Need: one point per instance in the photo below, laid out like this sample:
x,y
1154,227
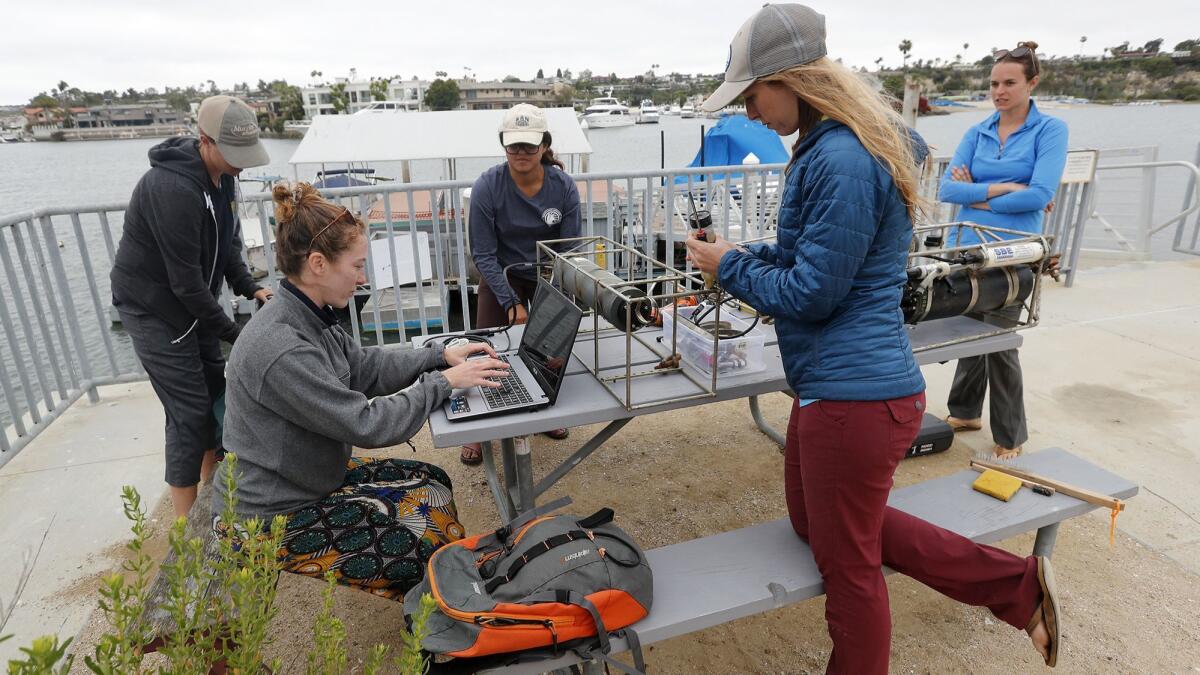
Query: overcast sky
x,y
139,43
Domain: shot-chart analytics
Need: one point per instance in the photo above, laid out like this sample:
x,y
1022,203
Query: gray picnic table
x,y
585,400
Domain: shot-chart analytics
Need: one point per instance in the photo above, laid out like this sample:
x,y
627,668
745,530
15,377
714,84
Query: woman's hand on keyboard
x,y
456,355
477,371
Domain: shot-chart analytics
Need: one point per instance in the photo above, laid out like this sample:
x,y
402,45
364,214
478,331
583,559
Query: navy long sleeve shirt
x,y
506,225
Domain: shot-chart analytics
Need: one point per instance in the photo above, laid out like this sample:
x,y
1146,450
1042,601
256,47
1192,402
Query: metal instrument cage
x,y
989,235
675,284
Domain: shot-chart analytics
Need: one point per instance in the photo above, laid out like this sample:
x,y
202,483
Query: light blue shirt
x,y
1033,155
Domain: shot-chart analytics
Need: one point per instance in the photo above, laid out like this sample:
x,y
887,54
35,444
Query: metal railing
x,y
54,298
55,311
57,333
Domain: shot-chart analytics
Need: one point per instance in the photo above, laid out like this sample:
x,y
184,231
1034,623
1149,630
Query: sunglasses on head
x,y
522,149
1019,53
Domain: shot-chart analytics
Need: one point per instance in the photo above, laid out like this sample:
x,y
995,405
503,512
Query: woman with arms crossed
x,y
833,283
1004,173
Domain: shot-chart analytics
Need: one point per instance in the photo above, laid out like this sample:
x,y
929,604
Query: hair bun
x,y
1031,44
285,203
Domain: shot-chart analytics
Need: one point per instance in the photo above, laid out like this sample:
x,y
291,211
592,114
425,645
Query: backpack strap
x,y
604,515
635,648
533,552
507,529
604,646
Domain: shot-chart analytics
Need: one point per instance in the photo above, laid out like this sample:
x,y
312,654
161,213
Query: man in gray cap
x,y
181,240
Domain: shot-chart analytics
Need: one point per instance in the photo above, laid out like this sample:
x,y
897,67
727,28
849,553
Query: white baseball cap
x,y
523,123
776,38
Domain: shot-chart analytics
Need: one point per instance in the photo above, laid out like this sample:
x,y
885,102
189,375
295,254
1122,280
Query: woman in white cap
x,y
514,205
833,283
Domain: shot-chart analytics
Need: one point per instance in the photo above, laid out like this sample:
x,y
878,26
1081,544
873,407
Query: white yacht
x,y
687,111
647,112
670,110
607,111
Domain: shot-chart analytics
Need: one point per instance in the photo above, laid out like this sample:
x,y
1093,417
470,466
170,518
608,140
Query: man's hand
x,y
264,294
518,314
459,354
705,256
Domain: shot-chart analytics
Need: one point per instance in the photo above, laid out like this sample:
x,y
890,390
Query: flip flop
x,y
1048,611
471,455
1001,453
959,424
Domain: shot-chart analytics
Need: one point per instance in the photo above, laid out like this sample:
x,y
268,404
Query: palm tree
x,y
905,48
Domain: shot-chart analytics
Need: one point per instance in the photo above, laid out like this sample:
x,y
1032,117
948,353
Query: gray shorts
x,y
188,377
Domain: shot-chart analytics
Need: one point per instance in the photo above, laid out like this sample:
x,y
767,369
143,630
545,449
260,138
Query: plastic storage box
x,y
734,355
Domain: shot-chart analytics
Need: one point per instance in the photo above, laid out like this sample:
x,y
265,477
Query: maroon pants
x,y
489,313
839,463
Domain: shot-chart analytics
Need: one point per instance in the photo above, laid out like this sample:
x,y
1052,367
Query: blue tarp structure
x,y
729,143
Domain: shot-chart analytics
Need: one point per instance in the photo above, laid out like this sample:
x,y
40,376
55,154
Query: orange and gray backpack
x,y
540,587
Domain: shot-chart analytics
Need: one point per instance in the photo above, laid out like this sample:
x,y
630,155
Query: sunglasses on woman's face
x,y
522,149
1018,53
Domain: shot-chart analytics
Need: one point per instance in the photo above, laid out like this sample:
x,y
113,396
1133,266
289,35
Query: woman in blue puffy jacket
x,y
833,283
1004,173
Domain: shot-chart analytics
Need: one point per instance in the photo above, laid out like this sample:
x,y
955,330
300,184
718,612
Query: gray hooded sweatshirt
x,y
301,392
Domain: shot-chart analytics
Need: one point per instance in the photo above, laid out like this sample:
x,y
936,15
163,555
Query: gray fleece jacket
x,y
301,392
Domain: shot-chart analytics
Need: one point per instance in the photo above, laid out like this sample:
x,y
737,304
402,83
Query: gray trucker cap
x,y
776,38
233,125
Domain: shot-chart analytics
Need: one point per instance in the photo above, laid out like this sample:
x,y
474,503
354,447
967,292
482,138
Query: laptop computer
x,y
537,367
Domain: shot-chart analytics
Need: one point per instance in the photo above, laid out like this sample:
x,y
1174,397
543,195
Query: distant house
x,y
39,116
318,100
503,95
126,115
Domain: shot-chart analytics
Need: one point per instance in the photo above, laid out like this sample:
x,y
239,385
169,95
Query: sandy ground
x,y
670,478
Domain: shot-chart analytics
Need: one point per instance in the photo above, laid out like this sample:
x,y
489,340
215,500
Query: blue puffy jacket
x,y
834,278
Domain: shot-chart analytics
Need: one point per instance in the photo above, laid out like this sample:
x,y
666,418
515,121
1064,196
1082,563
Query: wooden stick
x,y
1065,488
1027,483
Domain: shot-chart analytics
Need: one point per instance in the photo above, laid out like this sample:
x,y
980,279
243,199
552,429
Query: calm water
x,y
36,175
63,174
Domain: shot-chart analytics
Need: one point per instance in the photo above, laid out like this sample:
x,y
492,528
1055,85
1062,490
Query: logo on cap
x,y
552,217
522,120
244,129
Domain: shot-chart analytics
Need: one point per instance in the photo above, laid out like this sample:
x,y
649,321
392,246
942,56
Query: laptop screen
x,y
549,336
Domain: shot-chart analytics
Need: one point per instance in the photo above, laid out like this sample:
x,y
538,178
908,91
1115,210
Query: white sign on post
x,y
406,269
1081,166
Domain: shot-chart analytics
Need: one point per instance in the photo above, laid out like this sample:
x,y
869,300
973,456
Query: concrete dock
x,y
1112,374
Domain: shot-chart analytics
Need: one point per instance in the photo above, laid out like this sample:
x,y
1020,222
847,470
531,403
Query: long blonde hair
x,y
829,89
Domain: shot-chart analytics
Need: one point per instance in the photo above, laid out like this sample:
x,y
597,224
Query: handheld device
x,y
700,221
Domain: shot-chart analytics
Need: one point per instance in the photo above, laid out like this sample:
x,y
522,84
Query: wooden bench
x,y
763,567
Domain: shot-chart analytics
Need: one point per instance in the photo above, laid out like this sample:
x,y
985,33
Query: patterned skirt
x,y
377,531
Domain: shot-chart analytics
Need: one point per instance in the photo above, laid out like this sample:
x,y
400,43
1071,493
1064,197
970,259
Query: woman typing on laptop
x,y
301,393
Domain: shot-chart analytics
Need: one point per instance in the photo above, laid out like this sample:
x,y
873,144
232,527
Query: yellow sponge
x,y
999,485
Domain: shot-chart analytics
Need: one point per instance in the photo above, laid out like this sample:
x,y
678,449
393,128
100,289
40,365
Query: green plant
x,y
411,660
123,602
247,568
328,655
375,659
188,647
229,625
46,656
442,95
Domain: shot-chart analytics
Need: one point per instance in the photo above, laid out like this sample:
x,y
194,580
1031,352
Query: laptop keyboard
x,y
511,393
